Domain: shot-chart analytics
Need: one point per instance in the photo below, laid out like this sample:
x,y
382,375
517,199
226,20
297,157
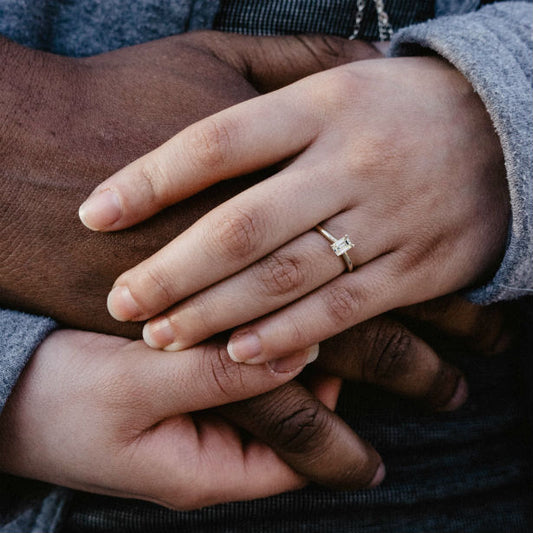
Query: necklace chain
x,y
384,26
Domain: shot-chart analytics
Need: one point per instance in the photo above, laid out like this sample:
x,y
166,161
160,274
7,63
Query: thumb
x,y
273,62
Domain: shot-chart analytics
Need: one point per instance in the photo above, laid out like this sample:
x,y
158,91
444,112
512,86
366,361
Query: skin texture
x,y
421,189
67,131
71,123
109,401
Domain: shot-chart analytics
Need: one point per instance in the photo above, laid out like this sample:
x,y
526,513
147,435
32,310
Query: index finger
x,y
246,137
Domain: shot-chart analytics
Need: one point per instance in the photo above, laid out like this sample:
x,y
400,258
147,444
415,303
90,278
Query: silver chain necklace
x,y
384,26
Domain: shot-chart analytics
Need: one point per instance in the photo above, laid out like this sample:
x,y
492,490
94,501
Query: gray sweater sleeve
x,y
492,48
24,505
20,334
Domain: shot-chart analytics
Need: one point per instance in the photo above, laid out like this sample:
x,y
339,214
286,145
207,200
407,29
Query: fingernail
x,y
378,477
159,333
295,361
459,396
244,347
121,305
101,210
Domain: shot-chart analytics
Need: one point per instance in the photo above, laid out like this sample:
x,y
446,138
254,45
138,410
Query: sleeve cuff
x,y
20,334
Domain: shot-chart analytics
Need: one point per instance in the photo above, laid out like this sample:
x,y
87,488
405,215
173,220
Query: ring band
x,y
339,246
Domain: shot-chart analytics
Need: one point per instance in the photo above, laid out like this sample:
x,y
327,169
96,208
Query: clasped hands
x,y
132,401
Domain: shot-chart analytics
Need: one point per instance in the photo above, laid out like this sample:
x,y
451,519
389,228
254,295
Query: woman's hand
x,y
67,124
399,154
104,414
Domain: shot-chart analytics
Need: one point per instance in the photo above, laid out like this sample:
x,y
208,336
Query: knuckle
x,y
197,318
237,235
222,372
443,386
340,82
152,180
280,275
390,356
300,430
120,393
342,306
155,283
298,328
323,50
493,332
377,154
210,143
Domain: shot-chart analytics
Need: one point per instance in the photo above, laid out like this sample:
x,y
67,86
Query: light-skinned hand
x,y
400,154
68,123
108,415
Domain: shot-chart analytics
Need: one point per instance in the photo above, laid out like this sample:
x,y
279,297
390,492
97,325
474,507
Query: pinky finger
x,y
336,306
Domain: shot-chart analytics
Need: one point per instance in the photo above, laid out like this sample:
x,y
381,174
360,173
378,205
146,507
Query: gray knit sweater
x,y
492,47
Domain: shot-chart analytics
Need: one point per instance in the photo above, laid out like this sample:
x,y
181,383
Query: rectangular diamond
x,y
341,246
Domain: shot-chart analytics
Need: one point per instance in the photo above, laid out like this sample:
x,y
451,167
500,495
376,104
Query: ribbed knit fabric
x,y
334,17
20,334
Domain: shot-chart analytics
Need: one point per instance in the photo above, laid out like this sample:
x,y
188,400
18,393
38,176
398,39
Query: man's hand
x,y
384,352
66,124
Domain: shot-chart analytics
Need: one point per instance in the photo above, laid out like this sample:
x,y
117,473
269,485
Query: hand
x,y
382,351
416,179
133,403
88,399
66,124
71,280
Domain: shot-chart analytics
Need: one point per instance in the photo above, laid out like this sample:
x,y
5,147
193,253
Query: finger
x,y
323,386
223,242
225,465
249,136
309,437
349,299
202,460
485,329
384,352
281,277
167,384
273,62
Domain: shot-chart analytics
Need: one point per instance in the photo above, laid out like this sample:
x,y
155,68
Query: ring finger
x,y
376,287
280,278
228,239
